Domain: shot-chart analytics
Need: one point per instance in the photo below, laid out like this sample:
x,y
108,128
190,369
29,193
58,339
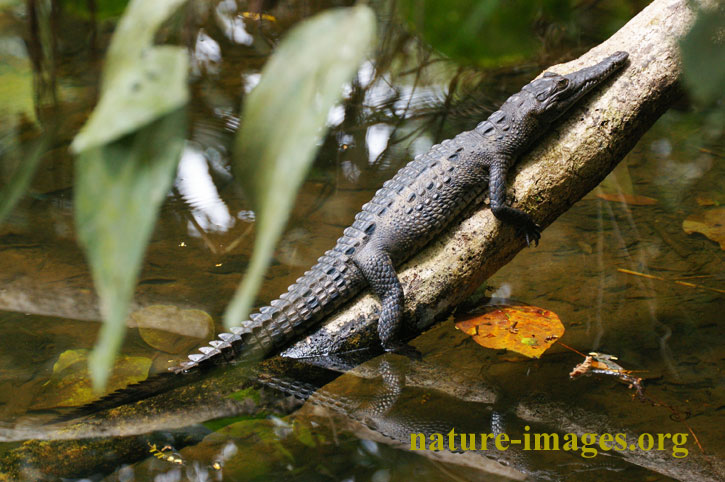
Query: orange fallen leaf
x,y
631,199
710,223
528,330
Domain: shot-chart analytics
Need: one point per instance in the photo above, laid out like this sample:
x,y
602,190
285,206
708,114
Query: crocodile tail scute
x,y
328,284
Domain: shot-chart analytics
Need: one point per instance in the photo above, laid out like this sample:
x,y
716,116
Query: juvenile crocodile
x,y
421,200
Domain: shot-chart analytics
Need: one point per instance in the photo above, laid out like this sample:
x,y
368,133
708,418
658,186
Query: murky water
x,y
404,100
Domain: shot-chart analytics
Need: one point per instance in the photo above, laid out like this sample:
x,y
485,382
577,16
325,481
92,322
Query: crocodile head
x,y
555,94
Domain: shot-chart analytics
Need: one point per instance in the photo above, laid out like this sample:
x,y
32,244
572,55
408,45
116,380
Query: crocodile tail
x,y
328,284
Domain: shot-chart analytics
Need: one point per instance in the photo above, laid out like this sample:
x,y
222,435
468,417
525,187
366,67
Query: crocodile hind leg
x,y
525,226
378,270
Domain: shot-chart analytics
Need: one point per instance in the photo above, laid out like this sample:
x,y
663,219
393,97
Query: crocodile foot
x,y
531,232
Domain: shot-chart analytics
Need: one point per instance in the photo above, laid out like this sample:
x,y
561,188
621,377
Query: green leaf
x,y
283,123
703,55
119,188
141,82
19,182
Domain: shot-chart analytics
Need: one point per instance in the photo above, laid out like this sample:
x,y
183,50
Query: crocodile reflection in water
x,y
411,396
389,408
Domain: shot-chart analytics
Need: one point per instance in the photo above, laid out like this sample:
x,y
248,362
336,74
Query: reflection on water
x,y
401,102
200,194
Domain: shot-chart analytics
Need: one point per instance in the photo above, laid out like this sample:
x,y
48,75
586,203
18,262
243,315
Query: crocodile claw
x,y
532,232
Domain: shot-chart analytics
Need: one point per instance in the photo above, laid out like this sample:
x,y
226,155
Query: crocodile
x,y
419,202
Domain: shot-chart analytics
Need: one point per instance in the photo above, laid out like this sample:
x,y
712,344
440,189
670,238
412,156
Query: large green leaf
x,y
283,122
126,163
703,55
119,188
17,107
141,82
23,174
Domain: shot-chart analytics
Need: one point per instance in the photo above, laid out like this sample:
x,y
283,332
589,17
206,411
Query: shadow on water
x,y
357,421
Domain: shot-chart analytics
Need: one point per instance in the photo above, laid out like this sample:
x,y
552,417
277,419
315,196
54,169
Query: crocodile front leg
x,y
378,270
525,226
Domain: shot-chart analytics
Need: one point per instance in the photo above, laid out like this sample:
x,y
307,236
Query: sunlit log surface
x,y
568,163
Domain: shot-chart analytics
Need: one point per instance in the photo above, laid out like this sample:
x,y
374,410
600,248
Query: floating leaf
x,y
710,223
528,330
118,191
69,385
631,199
172,329
605,364
141,82
283,123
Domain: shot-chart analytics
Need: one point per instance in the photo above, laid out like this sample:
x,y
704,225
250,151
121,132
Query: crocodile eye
x,y
562,83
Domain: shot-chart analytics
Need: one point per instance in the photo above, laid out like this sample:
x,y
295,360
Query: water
x,y
670,334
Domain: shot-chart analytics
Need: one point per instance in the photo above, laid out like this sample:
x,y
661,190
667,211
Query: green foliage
x,y
104,9
283,122
16,103
703,55
482,31
141,82
126,164
19,182
119,188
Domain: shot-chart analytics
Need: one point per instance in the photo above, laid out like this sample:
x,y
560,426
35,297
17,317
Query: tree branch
x,y
568,163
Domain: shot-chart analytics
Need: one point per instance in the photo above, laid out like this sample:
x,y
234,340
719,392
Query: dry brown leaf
x,y
710,223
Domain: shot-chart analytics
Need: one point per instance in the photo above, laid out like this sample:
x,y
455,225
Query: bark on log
x,y
568,163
